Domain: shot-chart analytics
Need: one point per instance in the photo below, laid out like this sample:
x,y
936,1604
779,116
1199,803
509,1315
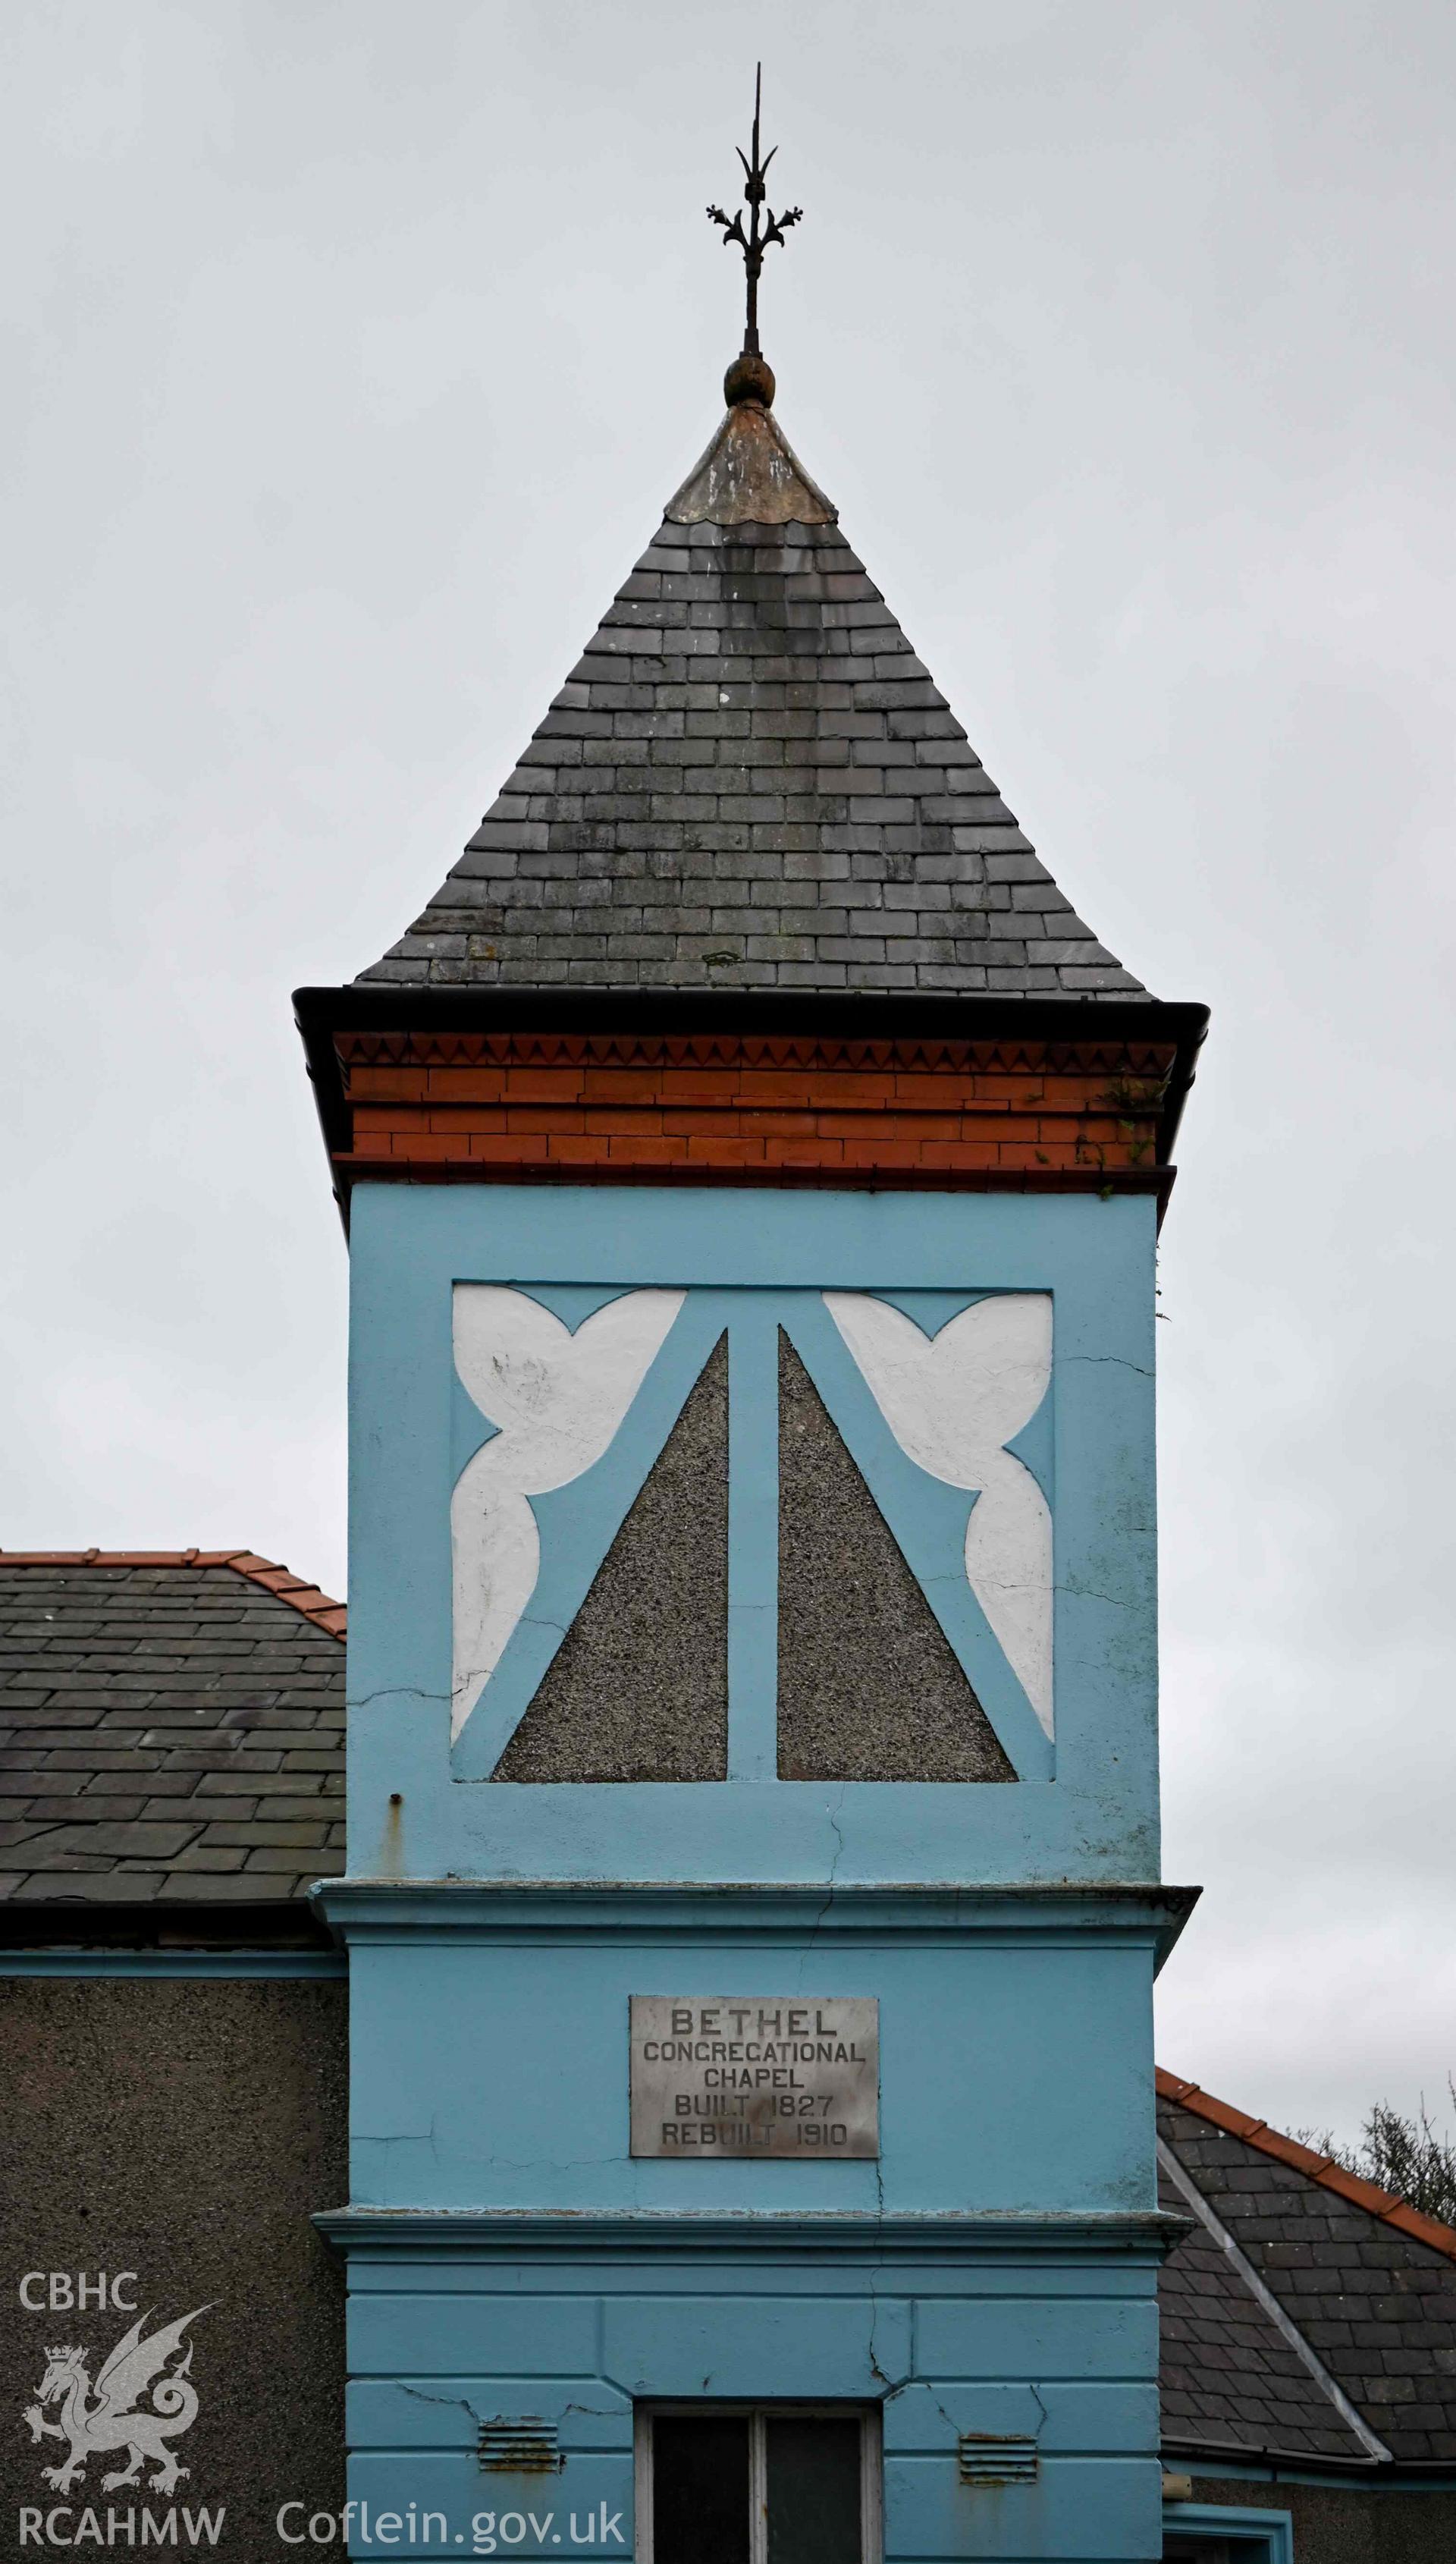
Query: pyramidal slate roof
x,y
750,780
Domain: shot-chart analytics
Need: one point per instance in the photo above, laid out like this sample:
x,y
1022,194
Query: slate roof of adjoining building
x,y
1367,2282
1230,2383
171,1728
750,780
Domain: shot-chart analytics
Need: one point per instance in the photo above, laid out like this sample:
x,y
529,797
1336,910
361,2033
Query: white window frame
x,y
703,2409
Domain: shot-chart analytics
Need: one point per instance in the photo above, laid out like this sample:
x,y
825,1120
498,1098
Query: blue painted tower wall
x,y
1054,2346
995,2269
770,1252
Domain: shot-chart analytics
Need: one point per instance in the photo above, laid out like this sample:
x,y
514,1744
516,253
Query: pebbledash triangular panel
x,y
868,1687
750,780
638,1688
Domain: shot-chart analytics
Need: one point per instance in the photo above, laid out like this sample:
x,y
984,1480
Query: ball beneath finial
x,y
748,378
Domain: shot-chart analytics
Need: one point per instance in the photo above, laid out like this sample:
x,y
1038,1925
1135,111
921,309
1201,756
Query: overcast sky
x,y
355,347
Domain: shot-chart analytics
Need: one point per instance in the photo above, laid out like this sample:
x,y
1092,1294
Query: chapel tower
x,y
752,1168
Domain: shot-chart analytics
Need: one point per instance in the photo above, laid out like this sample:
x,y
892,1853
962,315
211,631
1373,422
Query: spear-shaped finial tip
x,y
764,229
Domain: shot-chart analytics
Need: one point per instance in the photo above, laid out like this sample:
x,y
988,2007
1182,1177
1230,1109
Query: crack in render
x,y
545,2163
945,2416
834,1814
1033,2389
402,1692
893,2385
836,1828
407,2137
1119,1361
422,2394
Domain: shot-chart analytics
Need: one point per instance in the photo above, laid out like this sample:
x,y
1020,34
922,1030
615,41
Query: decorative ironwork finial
x,y
764,227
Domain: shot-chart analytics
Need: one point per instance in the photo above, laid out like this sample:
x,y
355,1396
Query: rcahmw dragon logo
x,y
111,2419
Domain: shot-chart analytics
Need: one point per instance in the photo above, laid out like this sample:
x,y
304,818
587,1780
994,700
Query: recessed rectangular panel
x,y
791,2076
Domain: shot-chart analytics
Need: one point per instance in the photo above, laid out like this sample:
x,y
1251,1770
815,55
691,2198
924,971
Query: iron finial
x,y
764,229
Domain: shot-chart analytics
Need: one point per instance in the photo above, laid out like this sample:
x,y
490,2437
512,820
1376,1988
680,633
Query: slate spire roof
x,y
750,780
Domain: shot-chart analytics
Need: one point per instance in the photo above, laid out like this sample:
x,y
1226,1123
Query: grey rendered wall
x,y
184,2130
1350,2524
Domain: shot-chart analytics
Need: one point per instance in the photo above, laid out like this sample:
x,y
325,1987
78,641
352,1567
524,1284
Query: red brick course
x,y
1065,1115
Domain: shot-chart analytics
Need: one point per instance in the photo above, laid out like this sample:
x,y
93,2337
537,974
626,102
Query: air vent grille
x,y
984,2458
527,2448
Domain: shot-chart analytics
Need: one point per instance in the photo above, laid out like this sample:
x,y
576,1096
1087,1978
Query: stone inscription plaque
x,y
790,2075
